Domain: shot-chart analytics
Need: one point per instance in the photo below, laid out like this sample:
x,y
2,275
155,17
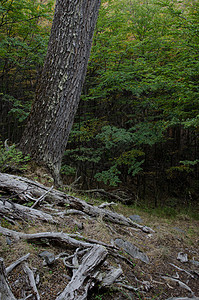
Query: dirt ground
x,y
165,276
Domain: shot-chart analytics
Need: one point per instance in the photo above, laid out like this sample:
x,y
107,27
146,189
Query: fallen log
x,y
19,185
105,214
23,186
23,212
60,237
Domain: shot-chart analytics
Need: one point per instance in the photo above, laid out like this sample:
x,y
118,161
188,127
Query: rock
x,y
132,250
48,257
136,218
182,257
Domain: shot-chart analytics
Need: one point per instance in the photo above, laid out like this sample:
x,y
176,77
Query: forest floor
x,y
164,277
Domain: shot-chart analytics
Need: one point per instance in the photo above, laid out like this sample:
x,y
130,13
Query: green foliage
x,y
138,119
112,136
12,159
109,177
67,170
24,31
18,110
190,162
130,158
140,99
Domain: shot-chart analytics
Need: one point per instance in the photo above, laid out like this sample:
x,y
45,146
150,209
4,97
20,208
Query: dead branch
x,y
107,194
181,284
105,214
93,241
19,184
16,263
5,291
20,212
31,279
60,237
42,197
105,204
188,273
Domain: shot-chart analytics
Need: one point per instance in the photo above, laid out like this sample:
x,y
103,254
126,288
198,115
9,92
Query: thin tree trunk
x,y
59,88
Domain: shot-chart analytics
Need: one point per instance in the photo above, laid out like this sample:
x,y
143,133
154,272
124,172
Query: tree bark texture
x,y
59,89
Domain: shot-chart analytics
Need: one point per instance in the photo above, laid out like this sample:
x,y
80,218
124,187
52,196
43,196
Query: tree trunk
x,y
59,88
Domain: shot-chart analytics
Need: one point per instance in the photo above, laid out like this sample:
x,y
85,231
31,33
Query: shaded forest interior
x,y
137,125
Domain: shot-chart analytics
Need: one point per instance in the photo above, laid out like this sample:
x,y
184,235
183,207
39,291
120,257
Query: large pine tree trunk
x,y
60,85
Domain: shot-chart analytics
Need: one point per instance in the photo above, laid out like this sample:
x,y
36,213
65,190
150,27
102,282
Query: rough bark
x,y
60,85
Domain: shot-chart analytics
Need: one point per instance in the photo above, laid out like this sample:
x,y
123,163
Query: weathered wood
x,y
60,237
82,279
105,214
5,291
105,204
23,212
23,186
42,197
181,284
19,184
31,280
16,263
112,276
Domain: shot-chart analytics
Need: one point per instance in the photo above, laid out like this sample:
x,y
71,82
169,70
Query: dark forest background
x,y
137,126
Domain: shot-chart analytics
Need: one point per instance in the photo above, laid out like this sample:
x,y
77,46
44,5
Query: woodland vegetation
x,y
136,129
134,140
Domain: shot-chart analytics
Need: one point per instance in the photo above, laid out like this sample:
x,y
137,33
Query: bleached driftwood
x,y
31,280
82,279
23,212
5,291
16,263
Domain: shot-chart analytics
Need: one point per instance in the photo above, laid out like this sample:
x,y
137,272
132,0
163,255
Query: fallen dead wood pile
x,y
91,262
27,189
